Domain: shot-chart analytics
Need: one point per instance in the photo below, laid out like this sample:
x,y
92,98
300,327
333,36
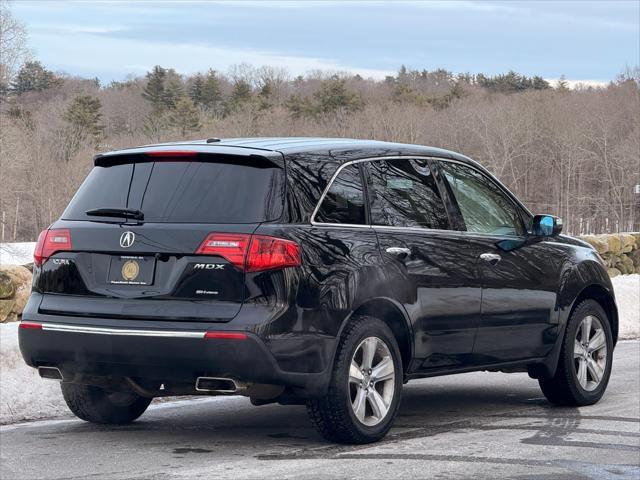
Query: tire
x,y
565,387
96,405
334,415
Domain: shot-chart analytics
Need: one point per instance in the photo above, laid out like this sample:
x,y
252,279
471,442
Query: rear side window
x,y
484,207
404,194
344,201
185,192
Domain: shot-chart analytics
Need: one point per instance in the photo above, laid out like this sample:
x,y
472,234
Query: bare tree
x,y
13,45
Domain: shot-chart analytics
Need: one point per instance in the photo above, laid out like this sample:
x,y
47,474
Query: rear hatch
x,y
160,234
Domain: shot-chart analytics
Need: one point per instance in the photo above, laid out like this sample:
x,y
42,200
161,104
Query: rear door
x,y
432,271
519,281
184,259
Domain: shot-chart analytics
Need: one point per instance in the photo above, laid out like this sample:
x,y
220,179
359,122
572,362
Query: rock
x,y
627,265
611,260
613,272
20,279
615,244
7,287
628,242
6,306
598,243
18,273
21,297
635,257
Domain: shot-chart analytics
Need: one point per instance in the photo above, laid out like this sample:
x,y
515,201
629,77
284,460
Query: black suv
x,y
325,272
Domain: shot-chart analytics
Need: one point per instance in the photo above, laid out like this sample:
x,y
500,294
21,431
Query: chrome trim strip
x,y
57,327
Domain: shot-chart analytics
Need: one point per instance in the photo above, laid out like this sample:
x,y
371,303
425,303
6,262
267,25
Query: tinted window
x,y
185,192
404,194
484,207
344,202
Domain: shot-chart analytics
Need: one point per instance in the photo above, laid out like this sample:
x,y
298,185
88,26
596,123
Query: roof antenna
x,y
213,140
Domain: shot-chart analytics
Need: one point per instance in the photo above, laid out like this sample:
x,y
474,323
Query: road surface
x,y
476,425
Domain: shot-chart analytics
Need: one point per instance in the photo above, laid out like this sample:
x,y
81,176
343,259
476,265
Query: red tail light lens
x,y
266,253
31,325
225,336
50,242
252,253
230,246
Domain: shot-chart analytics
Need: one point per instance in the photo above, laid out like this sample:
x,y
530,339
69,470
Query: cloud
x,y
90,55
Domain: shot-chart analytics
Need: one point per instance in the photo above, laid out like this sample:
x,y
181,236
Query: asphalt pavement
x,y
475,425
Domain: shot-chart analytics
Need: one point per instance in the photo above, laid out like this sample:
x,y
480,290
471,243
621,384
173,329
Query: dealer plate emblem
x,y
130,270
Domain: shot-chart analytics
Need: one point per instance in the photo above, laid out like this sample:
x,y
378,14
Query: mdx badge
x,y
208,266
127,239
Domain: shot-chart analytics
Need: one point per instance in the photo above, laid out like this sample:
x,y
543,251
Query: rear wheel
x,y
584,366
365,387
96,405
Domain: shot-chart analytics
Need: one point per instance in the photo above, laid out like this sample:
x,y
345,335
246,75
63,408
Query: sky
x,y
585,41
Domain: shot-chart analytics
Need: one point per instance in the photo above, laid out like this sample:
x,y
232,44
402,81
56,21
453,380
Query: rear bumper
x,y
164,355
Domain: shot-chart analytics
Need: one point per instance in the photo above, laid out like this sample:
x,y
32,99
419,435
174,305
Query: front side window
x,y
344,201
404,194
484,207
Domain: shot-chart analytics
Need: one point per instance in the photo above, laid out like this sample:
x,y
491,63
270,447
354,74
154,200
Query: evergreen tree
x,y
205,91
240,95
85,117
185,116
154,91
195,90
33,77
334,95
174,91
539,83
562,85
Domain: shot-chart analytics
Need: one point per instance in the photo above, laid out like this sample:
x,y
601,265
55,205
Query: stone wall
x,y
620,251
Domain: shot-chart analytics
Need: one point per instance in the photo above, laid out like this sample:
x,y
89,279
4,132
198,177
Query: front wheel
x,y
365,387
585,360
97,405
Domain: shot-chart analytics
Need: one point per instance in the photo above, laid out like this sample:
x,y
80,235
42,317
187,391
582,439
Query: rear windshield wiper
x,y
116,212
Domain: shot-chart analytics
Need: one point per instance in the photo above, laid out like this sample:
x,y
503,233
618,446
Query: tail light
x,y
252,253
50,242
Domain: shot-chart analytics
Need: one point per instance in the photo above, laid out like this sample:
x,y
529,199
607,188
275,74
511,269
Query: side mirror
x,y
546,226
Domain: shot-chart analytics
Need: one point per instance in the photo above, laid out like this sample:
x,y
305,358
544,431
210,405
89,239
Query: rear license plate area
x,y
131,270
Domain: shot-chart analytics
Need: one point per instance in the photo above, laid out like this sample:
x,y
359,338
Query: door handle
x,y
491,258
400,252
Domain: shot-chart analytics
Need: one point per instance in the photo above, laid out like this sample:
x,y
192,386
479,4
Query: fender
x,y
376,307
586,279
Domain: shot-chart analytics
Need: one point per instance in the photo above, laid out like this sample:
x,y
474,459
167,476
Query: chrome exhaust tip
x,y
216,385
50,373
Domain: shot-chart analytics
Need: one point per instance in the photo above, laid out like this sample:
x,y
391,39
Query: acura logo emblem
x,y
127,239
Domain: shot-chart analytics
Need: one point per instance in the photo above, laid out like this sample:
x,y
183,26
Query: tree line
x,y
570,152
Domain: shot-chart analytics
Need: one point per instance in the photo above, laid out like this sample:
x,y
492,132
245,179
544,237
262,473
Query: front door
x,y
519,280
432,272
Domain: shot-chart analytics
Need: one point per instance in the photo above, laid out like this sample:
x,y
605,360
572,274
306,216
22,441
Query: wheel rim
x,y
371,381
590,353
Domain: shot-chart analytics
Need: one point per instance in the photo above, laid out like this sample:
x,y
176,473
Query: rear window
x,y
184,192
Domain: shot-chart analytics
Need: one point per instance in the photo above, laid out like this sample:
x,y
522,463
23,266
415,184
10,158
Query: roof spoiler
x,y
191,153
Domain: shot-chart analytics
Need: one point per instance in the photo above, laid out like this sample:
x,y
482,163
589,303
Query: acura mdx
x,y
323,272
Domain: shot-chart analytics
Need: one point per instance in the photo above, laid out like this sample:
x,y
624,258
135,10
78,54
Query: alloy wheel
x,y
371,381
590,353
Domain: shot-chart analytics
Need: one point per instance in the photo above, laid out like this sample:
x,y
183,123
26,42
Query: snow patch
x,y
16,253
23,394
627,291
